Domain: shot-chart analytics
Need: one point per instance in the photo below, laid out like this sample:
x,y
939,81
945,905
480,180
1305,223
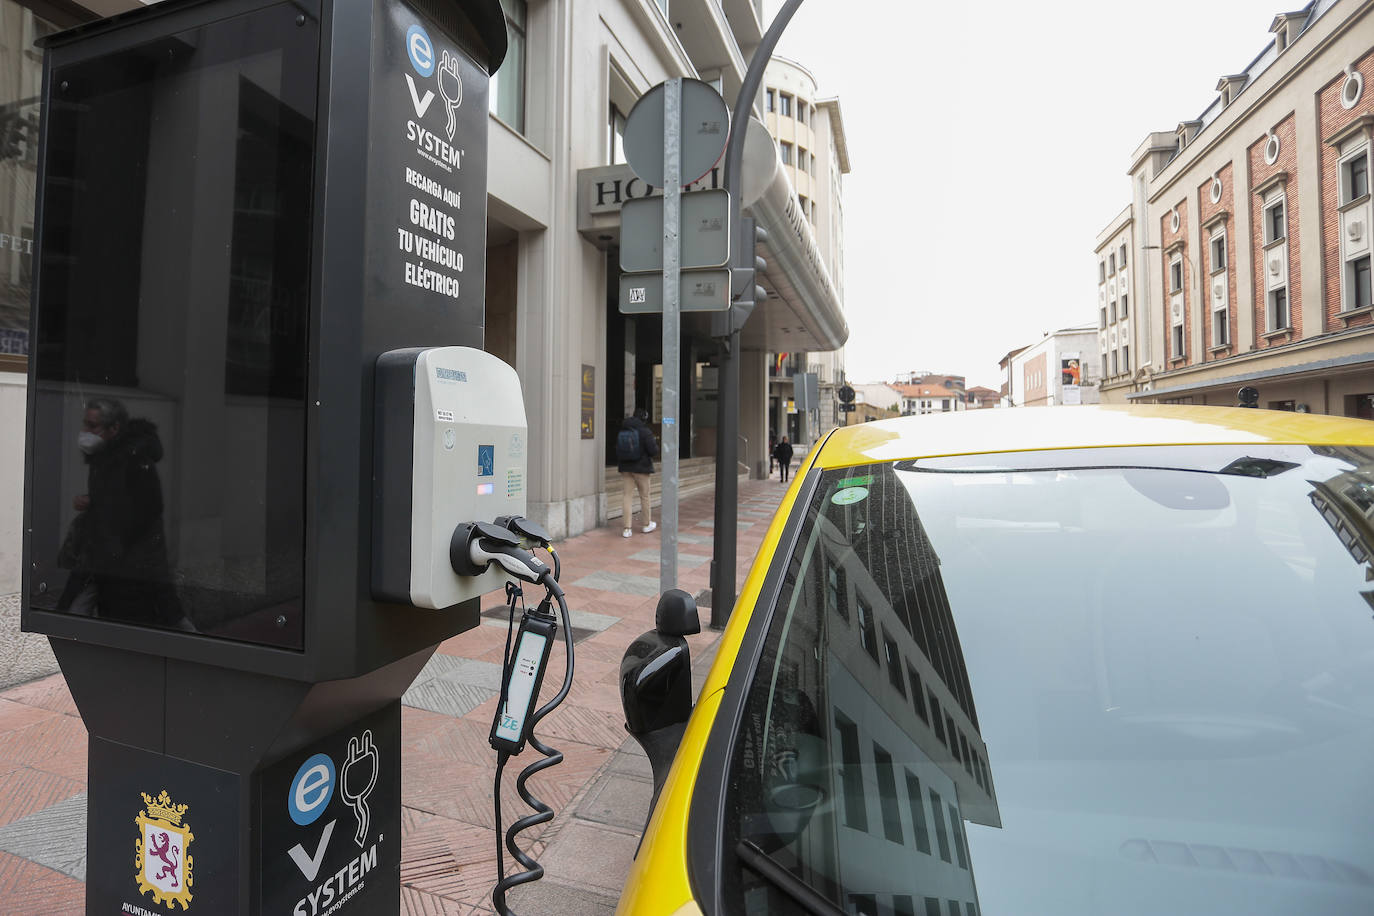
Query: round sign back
x,y
704,129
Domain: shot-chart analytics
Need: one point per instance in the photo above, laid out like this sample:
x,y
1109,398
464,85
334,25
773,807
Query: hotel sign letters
x,y
605,190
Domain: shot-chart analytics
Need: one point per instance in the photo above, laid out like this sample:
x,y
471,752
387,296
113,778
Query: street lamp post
x,y
727,440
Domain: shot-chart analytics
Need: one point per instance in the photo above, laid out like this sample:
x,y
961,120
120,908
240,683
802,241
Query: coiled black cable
x,y
552,757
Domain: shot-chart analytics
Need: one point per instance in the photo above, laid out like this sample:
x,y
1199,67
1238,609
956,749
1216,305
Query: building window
x,y
617,137
941,834
918,812
868,632
1355,177
1218,252
1175,275
1275,223
1178,340
1104,365
1121,260
1111,316
956,827
1358,273
1125,358
1101,271
1221,327
811,167
770,100
937,717
894,663
918,695
785,149
1115,366
506,92
1123,311
1103,323
851,774
837,591
18,180
801,111
887,795
1278,309
784,104
1111,263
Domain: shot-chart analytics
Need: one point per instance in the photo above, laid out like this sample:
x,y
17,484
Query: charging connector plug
x,y
476,545
529,531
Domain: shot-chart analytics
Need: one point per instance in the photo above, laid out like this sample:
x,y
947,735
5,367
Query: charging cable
x,y
508,543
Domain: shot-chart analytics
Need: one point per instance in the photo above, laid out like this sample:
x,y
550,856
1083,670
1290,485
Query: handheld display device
x,y
522,681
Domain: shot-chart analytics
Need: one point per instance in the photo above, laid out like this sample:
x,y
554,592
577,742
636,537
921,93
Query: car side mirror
x,y
656,670
656,682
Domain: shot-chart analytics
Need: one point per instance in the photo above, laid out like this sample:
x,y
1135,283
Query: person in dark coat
x,y
782,452
116,546
635,451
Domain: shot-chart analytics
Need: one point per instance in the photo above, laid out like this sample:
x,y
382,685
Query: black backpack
x,y
627,445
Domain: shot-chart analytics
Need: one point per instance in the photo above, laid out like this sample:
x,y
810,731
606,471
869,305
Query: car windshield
x,y
1090,681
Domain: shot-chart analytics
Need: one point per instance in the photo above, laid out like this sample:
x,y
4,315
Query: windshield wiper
x,y
768,868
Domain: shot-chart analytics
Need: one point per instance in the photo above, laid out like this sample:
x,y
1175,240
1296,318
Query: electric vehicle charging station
x,y
259,299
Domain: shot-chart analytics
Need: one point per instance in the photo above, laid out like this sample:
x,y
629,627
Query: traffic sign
x,y
705,231
701,290
704,126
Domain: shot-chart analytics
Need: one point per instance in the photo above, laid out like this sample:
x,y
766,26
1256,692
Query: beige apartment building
x,y
815,157
1243,257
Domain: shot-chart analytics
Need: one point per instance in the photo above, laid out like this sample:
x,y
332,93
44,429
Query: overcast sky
x,y
989,144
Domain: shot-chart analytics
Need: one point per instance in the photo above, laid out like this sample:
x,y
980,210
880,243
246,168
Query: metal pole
x,y
672,319
727,455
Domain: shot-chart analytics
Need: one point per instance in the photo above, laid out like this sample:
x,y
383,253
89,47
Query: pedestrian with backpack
x,y
635,451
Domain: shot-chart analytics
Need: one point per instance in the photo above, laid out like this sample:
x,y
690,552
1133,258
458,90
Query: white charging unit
x,y
450,448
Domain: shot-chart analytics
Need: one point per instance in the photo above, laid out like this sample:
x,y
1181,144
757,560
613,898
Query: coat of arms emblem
x,y
162,859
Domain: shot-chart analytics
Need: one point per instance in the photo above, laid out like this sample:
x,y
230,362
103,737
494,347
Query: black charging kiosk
x,y
241,205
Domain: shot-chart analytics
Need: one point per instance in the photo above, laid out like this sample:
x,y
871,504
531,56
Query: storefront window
x,y
21,82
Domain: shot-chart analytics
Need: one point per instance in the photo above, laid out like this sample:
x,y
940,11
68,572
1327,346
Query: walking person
x,y
116,546
783,453
772,447
635,451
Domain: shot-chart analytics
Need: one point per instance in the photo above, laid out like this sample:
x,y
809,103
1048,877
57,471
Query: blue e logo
x,y
311,790
420,49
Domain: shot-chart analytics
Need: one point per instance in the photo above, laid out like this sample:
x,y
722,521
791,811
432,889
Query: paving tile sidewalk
x,y
600,791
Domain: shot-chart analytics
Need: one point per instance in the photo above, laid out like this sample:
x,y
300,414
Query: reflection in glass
x,y
174,282
21,79
1174,664
115,545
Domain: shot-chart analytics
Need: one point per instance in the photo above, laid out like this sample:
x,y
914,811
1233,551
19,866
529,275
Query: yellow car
x,y
1084,660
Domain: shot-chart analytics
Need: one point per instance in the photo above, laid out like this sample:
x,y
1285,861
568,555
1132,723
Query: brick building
x,y
1243,257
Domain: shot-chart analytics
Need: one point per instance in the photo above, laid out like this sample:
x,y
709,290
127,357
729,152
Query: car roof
x,y
1028,429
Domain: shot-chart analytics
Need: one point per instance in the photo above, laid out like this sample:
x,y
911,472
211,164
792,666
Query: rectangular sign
x,y
331,823
702,291
705,232
588,402
426,193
